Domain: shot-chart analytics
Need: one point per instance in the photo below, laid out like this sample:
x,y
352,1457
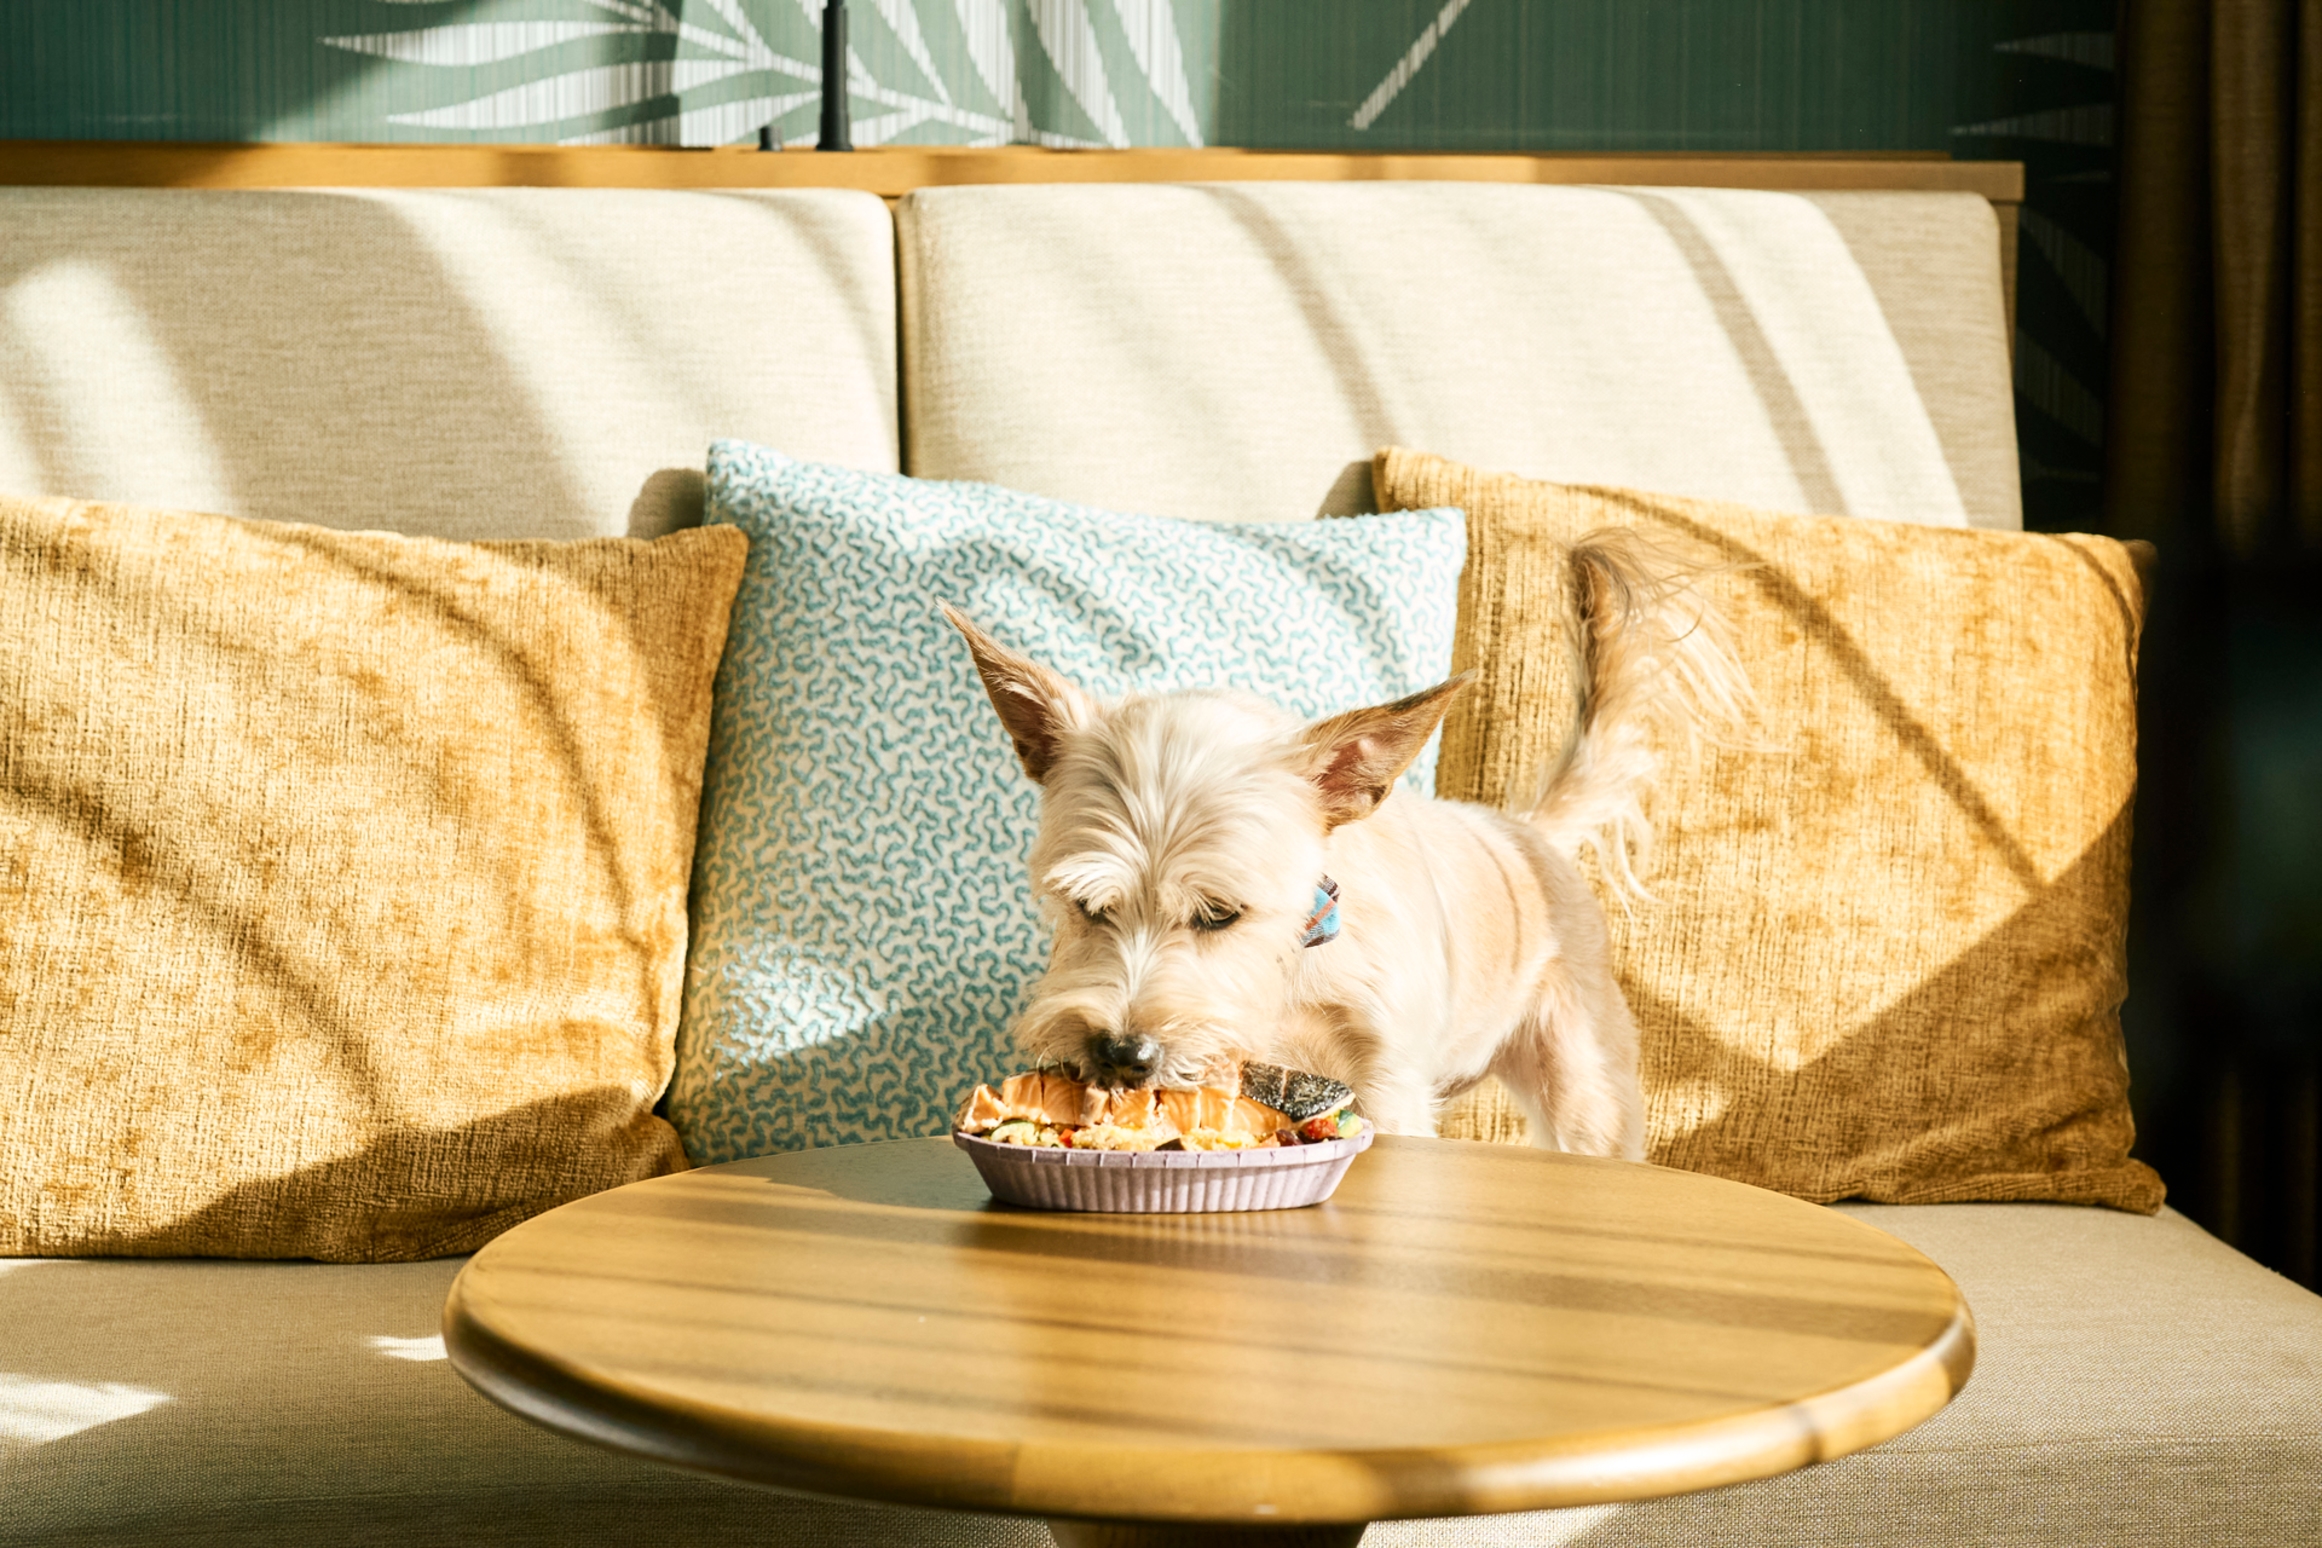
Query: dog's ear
x,y
1036,705
1354,759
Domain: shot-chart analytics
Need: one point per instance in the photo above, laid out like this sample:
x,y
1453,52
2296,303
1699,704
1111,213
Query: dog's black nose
x,y
1123,1061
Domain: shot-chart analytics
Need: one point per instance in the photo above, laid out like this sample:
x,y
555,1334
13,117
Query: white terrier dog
x,y
1193,846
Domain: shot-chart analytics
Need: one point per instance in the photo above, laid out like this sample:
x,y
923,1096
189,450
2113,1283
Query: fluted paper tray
x,y
1163,1182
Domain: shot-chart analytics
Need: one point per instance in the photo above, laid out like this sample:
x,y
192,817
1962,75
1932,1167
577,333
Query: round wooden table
x,y
1465,1328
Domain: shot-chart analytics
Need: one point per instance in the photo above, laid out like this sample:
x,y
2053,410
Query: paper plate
x,y
1163,1182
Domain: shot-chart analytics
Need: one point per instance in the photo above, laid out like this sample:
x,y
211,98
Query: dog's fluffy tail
x,y
1657,667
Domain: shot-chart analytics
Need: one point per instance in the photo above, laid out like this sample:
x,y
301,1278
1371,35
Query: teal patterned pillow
x,y
863,927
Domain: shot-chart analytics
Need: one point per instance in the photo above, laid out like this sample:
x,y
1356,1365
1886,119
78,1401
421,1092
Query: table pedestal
x,y
1116,1534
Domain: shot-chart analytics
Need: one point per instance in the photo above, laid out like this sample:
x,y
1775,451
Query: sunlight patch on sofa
x,y
1831,373
33,1412
83,348
415,1349
19,465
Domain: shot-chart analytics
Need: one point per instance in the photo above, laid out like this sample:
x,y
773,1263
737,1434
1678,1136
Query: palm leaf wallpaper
x,y
946,72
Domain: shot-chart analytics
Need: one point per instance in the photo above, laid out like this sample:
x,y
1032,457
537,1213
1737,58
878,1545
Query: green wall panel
x,y
1619,74
1471,74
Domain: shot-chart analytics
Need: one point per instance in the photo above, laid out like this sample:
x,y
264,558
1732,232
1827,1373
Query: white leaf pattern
x,y
687,74
1422,47
730,121
553,100
1070,40
741,41
900,16
937,69
983,26
1159,52
479,43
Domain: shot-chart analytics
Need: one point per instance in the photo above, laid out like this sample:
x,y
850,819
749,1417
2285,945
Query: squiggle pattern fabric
x,y
863,926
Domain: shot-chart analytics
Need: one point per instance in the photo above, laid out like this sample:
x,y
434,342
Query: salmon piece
x,y
1096,1106
1182,1109
1040,1094
1207,1109
1047,1097
1250,1117
983,1110
1139,1109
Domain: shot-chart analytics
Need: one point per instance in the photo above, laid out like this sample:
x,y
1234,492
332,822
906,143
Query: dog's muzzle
x,y
1115,1060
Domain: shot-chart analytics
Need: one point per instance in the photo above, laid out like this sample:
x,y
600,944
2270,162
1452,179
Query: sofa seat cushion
x,y
1236,351
462,363
170,1402
2137,1382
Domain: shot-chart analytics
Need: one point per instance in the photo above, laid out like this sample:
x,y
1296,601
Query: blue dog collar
x,y
1322,924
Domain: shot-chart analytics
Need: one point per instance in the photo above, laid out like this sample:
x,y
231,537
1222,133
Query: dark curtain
x,y
2214,453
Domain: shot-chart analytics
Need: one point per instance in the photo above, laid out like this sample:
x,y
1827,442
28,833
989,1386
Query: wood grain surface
x,y
1464,1328
893,171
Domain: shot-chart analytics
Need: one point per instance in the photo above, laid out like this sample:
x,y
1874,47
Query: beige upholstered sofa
x,y
553,363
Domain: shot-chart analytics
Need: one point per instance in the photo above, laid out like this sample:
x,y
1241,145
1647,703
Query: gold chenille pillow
x,y
342,877
1884,959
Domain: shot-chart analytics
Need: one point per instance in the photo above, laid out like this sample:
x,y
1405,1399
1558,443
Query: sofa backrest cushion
x,y
1239,351
478,363
342,877
1883,955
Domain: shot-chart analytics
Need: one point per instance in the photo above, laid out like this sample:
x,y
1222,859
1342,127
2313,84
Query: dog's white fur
x,y
1471,944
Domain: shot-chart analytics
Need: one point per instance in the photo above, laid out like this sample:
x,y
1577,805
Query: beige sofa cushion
x,y
188,1404
478,363
1883,956
1239,351
2137,1382
342,877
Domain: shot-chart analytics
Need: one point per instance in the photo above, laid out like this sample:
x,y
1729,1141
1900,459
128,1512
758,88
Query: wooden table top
x,y
1464,1328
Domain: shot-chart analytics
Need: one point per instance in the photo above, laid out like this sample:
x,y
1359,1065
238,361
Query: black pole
x,y
836,132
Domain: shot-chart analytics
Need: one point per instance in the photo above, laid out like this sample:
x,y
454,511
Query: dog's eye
x,y
1092,915
1215,916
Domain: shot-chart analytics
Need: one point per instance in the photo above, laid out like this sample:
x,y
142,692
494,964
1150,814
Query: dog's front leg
x,y
1397,1105
1329,1041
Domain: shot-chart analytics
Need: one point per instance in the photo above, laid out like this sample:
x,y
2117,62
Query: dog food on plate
x,y
1260,1137
1269,1107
